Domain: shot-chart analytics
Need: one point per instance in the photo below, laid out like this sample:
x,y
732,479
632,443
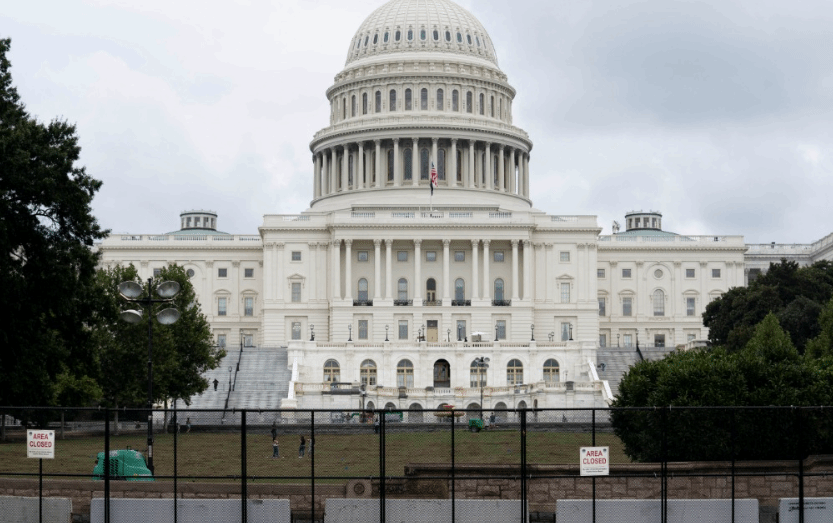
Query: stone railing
x,y
721,241
138,240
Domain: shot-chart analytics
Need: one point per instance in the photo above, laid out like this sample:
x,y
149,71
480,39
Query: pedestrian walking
x,y
376,425
302,447
275,451
216,382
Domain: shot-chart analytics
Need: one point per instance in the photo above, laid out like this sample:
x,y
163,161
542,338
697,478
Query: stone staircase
x,y
618,360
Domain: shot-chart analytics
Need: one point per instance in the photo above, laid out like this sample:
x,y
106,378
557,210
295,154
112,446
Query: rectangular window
x,y
296,292
222,273
498,256
600,273
659,340
362,329
691,337
602,340
248,273
689,306
626,273
221,306
362,256
249,306
248,340
601,306
715,273
431,256
565,332
221,340
296,255
565,293
296,330
402,256
689,273
627,306
459,256
157,273
565,256
403,329
627,339
501,329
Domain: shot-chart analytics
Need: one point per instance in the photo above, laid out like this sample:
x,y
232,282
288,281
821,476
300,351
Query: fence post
x,y
106,465
800,452
593,444
176,470
663,466
732,450
244,494
381,413
523,468
312,463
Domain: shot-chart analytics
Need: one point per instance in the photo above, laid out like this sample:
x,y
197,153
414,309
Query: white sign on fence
x,y
40,444
594,461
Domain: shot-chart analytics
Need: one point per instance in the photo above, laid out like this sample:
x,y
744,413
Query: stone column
x,y
488,166
313,271
515,282
526,175
377,268
417,272
378,163
348,270
446,272
235,306
452,177
334,173
415,163
268,277
475,284
359,174
388,269
501,166
487,284
279,264
336,246
470,182
316,179
397,164
345,169
527,269
512,186
325,174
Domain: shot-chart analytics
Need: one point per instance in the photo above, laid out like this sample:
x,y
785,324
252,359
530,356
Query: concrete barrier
x,y
641,510
423,510
816,510
16,509
127,510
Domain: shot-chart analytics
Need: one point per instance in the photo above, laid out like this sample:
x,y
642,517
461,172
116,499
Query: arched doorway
x,y
500,412
431,290
442,374
415,413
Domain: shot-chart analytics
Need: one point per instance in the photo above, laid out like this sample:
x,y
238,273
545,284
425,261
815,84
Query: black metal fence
x,y
426,465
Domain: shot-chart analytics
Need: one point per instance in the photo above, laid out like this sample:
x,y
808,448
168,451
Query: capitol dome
x,y
439,26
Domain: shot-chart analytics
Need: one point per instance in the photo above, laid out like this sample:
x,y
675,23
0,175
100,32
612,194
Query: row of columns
x,y
370,170
417,283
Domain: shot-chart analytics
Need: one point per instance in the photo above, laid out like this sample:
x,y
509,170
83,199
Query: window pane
x,y
601,306
392,101
423,164
499,289
689,273
659,303
689,306
403,329
296,330
378,107
249,273
221,307
459,289
565,256
249,306
565,293
440,99
626,273
626,306
600,273
296,292
362,329
455,100
408,99
423,99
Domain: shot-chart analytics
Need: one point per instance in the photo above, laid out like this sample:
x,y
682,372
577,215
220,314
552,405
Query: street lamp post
x,y
571,332
131,292
311,332
350,332
617,340
386,332
482,364
449,336
551,336
532,328
496,332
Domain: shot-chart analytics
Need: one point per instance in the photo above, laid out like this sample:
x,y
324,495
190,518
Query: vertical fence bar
x,y
663,465
106,465
800,449
312,463
453,492
176,470
40,491
593,444
523,468
382,471
732,450
244,494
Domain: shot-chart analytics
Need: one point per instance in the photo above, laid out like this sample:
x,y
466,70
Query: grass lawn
x,y
217,455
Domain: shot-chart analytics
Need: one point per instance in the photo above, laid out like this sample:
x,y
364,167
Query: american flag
x,y
433,178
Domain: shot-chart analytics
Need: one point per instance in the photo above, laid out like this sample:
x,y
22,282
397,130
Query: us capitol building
x,y
382,284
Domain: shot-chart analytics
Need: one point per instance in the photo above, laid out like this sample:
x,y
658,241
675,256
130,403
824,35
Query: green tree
x,y
822,345
767,372
47,265
182,352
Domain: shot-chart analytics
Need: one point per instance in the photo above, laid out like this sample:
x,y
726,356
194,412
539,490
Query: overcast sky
x,y
716,113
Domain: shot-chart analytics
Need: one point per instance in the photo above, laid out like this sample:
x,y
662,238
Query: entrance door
x,y
442,374
431,331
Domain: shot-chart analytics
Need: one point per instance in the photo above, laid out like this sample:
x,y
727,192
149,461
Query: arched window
x,y
398,35
332,372
492,107
499,289
447,36
385,39
362,289
477,374
344,108
514,372
392,100
364,103
423,99
402,289
368,372
354,106
441,164
431,289
409,164
468,102
551,372
494,172
460,289
459,165
423,164
468,39
422,34
440,99
378,107
659,303
436,35
349,169
408,101
482,104
455,100
375,39
405,374
410,34
459,38
390,165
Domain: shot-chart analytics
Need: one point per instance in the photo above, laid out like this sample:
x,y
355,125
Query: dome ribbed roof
x,y
421,25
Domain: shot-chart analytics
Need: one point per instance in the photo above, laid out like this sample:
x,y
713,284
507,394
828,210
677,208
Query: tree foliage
x,y
47,265
182,352
795,294
768,371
